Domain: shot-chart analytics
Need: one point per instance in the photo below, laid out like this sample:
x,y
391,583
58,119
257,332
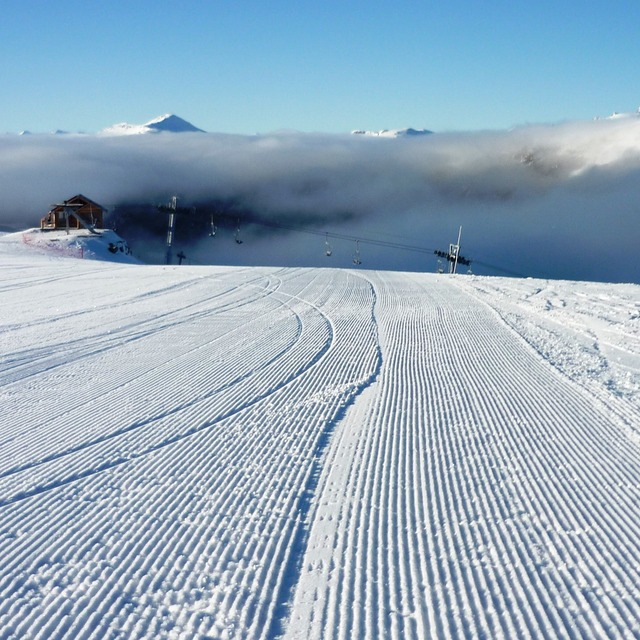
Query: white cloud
x,y
558,200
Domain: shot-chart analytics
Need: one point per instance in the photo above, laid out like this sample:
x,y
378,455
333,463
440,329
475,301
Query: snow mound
x,y
166,123
103,244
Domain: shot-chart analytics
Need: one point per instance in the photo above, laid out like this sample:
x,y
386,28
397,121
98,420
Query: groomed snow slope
x,y
257,453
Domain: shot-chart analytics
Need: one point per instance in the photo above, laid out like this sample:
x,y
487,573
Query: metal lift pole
x,y
170,229
455,264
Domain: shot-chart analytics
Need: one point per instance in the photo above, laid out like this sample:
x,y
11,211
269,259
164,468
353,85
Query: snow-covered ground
x,y
217,452
99,244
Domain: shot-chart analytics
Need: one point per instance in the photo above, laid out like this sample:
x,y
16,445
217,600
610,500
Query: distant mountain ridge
x,y
625,114
393,133
167,123
172,123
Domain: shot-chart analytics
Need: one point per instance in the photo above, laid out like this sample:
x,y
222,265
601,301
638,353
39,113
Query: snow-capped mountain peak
x,y
166,123
173,123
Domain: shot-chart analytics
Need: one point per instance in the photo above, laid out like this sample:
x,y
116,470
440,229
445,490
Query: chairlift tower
x,y
453,255
454,250
172,209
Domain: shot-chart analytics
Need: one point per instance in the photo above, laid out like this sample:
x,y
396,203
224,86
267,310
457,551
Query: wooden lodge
x,y
75,213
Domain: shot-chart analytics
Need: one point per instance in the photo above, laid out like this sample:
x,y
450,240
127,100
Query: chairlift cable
x,y
343,236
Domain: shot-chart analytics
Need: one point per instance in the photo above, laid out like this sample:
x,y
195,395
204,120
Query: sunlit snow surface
x,y
208,452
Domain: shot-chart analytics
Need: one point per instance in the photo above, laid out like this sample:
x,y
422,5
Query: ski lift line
x,y
381,243
328,234
342,236
515,274
331,234
334,235
364,240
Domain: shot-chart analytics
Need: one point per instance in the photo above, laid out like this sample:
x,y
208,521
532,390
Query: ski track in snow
x,y
475,492
264,453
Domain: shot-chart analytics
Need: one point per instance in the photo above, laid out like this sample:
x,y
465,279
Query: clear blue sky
x,y
250,66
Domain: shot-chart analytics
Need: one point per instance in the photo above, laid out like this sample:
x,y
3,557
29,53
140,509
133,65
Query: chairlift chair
x,y
237,233
356,255
327,246
213,230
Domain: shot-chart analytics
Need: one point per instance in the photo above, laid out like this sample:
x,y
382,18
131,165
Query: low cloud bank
x,y
557,201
